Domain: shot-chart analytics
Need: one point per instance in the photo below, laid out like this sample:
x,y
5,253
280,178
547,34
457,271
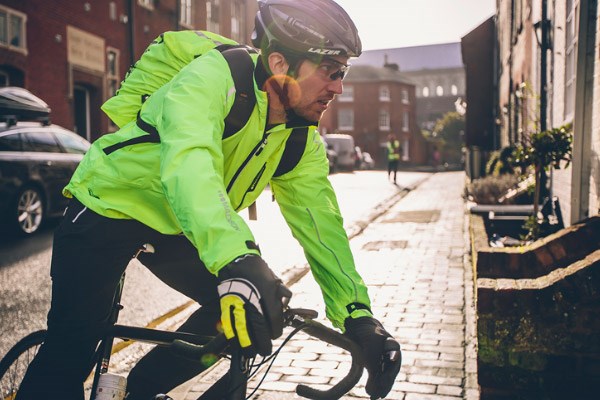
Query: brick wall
x,y
538,309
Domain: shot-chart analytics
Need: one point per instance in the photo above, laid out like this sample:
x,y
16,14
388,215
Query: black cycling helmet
x,y
311,28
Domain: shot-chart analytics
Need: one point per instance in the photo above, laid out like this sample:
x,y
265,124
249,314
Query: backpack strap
x,y
242,72
294,148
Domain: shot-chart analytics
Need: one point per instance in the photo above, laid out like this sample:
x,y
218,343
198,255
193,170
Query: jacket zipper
x,y
252,185
255,151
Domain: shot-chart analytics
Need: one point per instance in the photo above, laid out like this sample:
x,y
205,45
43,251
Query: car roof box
x,y
19,104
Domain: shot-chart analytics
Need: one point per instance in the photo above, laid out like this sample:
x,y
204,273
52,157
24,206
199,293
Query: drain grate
x,y
419,216
385,244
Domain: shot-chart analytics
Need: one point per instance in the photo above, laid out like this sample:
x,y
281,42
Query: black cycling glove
x,y
251,304
380,351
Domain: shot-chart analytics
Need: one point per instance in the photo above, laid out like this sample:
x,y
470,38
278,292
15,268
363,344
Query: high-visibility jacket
x,y
393,147
194,182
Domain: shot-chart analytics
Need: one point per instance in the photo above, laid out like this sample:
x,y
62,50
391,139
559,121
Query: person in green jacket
x,y
181,192
393,153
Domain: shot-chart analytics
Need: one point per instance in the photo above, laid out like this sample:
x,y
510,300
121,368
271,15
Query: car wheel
x,y
28,210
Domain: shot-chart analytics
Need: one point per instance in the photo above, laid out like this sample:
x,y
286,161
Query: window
x,y
405,152
11,142
112,71
405,121
425,91
384,93
149,4
72,143
347,94
439,91
570,57
212,16
12,29
112,11
346,119
238,27
405,99
185,13
384,120
454,90
42,142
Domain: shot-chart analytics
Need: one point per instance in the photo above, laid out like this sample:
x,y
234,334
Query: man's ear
x,y
278,65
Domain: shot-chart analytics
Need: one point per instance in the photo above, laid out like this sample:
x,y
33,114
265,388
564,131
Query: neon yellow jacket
x,y
195,182
393,150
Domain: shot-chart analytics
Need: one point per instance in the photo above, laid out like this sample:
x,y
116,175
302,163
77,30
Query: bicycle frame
x,y
195,347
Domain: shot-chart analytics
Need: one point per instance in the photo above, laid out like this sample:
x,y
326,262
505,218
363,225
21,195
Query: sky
x,y
384,24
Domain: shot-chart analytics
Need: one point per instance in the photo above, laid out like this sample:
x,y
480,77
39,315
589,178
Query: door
x,y
81,101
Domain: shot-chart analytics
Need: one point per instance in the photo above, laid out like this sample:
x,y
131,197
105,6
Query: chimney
x,y
386,64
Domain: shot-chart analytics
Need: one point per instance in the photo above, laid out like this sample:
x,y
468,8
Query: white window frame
x,y
454,90
213,21
238,20
346,119
571,32
405,97
149,4
383,120
10,13
186,13
425,91
347,94
405,121
384,93
439,90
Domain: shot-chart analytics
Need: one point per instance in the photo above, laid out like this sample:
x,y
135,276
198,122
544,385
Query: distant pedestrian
x,y
394,150
435,157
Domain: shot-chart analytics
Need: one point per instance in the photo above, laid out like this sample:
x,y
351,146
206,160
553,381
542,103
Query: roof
x,y
416,58
368,73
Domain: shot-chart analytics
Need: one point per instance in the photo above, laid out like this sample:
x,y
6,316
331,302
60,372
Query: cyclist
x,y
182,195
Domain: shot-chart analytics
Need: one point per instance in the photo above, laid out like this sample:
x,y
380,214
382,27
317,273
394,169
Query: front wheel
x,y
15,363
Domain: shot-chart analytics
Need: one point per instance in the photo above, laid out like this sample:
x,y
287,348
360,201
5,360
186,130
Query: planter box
x,y
538,312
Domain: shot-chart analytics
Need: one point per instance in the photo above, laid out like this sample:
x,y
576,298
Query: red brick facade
x,y
57,63
366,106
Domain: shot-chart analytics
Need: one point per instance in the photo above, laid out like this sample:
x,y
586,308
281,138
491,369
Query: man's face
x,y
318,84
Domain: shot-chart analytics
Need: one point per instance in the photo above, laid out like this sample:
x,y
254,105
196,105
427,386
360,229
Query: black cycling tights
x,y
90,253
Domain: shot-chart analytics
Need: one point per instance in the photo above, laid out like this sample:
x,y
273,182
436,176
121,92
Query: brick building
x,y
377,101
74,54
569,88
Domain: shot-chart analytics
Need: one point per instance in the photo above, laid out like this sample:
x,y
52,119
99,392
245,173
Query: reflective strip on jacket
x,y
194,182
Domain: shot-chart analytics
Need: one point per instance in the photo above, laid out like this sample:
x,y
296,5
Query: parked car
x,y
36,162
344,147
331,155
363,159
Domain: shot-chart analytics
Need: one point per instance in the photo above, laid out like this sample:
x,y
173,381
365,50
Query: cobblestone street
x,y
415,261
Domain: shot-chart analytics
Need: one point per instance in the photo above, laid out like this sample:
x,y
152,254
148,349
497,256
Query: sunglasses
x,y
332,69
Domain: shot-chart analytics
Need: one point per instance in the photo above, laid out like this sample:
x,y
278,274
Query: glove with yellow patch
x,y
252,303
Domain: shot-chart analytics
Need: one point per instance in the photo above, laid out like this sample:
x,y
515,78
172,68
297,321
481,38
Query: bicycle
x,y
14,364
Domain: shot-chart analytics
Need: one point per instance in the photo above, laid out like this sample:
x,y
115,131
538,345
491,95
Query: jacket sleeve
x,y
190,121
309,206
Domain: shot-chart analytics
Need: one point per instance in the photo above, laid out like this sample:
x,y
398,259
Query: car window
x,y
40,142
10,142
72,143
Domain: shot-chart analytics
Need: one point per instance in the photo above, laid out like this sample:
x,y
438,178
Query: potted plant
x,y
538,152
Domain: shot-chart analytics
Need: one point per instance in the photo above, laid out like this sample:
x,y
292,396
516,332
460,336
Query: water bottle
x,y
111,387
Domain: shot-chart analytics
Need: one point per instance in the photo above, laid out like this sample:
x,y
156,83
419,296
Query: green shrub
x,y
491,189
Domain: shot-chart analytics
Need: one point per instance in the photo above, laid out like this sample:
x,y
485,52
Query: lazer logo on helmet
x,y
325,52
